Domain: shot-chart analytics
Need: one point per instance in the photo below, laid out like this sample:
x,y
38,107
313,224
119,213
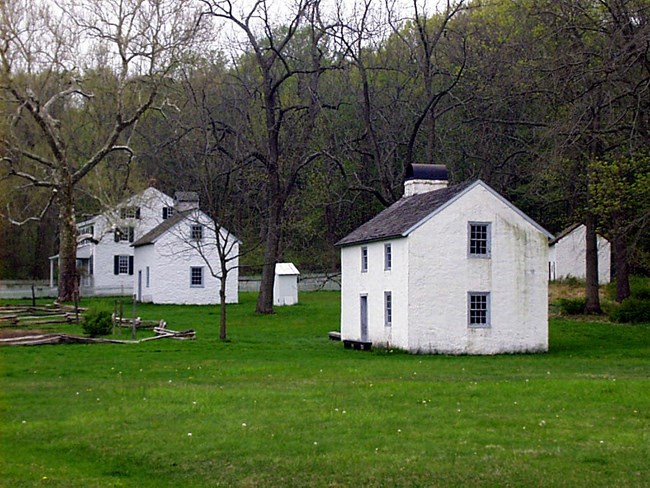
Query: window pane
x,y
197,232
479,305
123,265
479,239
196,276
388,308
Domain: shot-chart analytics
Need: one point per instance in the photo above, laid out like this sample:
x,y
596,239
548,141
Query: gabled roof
x,y
409,213
286,269
153,235
565,233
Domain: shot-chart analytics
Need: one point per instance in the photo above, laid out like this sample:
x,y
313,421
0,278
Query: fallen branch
x,y
42,339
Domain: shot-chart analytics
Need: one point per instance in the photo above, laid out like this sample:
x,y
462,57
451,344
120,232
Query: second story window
x,y
167,212
388,257
196,232
479,239
87,229
364,259
130,213
124,234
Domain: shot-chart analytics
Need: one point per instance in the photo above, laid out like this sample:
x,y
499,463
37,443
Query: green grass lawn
x,y
280,405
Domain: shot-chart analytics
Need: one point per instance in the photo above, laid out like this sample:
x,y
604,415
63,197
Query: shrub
x,y
97,323
632,310
572,306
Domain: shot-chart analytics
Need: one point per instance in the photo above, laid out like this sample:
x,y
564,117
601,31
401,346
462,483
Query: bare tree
x,y
397,64
280,78
49,59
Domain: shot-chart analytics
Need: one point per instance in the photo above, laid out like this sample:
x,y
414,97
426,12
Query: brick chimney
x,y
186,200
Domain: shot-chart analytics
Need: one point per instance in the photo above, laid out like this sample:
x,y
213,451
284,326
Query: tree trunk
x,y
622,268
273,233
222,304
67,245
593,299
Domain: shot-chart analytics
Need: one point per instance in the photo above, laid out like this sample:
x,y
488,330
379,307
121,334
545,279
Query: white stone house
x,y
104,255
177,262
285,284
567,255
453,270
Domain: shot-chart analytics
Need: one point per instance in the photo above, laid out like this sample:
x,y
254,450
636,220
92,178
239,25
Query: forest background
x,y
296,124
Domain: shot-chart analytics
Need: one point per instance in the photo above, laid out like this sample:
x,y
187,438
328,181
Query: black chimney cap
x,y
426,172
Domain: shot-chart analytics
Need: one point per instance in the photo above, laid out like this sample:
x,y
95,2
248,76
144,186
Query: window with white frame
x,y
388,257
364,259
123,265
478,309
479,239
167,212
196,276
196,232
388,308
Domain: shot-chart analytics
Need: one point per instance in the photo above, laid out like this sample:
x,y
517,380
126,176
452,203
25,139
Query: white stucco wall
x,y
442,274
170,259
373,284
432,275
567,256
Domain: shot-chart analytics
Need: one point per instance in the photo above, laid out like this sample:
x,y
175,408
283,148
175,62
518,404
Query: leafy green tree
x,y
619,196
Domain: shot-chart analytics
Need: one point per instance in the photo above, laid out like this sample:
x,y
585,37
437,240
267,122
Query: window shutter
x,y
137,212
130,265
116,236
131,234
116,265
165,213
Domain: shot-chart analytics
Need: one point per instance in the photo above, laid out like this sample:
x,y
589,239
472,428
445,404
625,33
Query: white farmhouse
x,y
285,284
567,255
178,262
104,255
453,270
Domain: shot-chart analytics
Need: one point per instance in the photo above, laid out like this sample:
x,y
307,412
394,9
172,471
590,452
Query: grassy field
x,y
280,405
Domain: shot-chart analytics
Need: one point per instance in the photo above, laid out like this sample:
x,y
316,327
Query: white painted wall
x,y
432,274
567,256
170,259
442,274
374,283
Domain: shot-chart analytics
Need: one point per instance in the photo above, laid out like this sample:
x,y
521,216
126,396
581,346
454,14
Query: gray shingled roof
x,y
397,219
186,196
151,236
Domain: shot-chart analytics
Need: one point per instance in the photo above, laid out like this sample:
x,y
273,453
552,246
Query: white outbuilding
x,y
453,270
567,255
285,284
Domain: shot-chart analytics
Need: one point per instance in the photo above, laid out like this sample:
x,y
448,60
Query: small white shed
x,y
567,255
285,285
